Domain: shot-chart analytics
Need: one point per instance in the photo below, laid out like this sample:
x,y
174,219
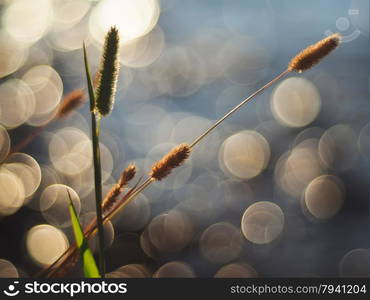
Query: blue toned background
x,y
279,189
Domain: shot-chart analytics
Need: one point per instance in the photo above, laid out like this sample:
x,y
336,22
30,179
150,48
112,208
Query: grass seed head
x,y
127,175
108,73
173,159
313,54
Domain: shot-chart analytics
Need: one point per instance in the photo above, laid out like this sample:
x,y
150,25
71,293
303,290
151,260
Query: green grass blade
x,y
95,121
89,82
88,262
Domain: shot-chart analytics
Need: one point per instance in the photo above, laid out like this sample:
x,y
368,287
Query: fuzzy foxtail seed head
x,y
127,175
313,54
173,159
108,73
116,190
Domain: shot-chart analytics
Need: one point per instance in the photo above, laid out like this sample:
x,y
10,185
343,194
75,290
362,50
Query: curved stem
x,y
203,135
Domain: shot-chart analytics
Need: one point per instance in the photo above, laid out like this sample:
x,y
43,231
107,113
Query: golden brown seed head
x,y
127,175
71,102
173,159
314,53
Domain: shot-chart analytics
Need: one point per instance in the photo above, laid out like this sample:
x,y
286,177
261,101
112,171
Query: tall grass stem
x,y
95,126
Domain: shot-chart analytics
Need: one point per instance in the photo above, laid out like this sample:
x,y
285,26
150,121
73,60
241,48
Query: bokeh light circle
x,y
236,270
294,170
12,54
175,269
27,169
324,196
17,103
68,13
132,18
295,102
221,243
54,203
245,154
7,269
45,244
131,271
355,263
28,21
47,87
262,222
70,152
12,194
4,143
170,232
338,147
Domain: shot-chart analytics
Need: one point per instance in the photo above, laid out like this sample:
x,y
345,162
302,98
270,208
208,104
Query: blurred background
x,y
280,189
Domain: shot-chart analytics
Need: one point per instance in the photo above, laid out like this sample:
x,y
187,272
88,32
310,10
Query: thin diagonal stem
x,y
142,187
203,135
